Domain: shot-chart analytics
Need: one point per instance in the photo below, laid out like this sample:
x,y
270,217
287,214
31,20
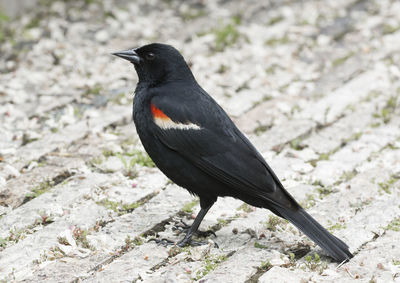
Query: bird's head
x,y
157,63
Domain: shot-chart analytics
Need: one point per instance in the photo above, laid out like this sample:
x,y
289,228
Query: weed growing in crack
x,y
80,237
191,14
308,202
387,112
347,176
260,246
277,41
360,205
63,241
130,244
324,191
341,60
50,255
273,222
394,225
337,226
99,224
246,208
222,222
261,129
210,265
387,185
119,207
227,35
14,236
322,156
265,266
188,207
314,263
292,258
39,190
297,144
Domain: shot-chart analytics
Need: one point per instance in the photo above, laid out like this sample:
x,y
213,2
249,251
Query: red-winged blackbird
x,y
195,144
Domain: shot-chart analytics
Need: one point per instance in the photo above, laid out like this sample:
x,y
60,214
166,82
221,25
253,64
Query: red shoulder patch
x,y
157,113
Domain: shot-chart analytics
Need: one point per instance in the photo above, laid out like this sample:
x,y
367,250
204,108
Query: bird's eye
x,y
150,56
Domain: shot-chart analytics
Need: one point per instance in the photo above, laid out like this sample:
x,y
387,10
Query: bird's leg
x,y
187,240
183,227
193,229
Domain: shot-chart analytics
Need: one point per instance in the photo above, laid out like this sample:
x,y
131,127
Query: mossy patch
x,y
141,158
277,41
17,234
3,31
246,208
261,129
192,14
388,29
322,156
80,237
40,189
188,207
308,202
394,225
341,60
388,184
128,156
273,222
119,207
389,109
336,226
257,245
324,191
225,35
130,244
314,263
14,236
120,99
347,176
210,263
296,144
275,20
264,267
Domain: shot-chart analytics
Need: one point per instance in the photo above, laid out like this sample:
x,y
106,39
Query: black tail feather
x,y
335,247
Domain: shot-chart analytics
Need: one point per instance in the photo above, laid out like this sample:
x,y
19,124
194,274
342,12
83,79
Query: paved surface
x,y
314,84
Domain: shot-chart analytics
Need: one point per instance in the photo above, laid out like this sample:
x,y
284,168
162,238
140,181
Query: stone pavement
x,y
314,84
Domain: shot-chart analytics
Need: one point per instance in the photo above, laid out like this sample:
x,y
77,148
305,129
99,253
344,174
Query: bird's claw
x,y
164,242
189,242
205,234
183,243
183,227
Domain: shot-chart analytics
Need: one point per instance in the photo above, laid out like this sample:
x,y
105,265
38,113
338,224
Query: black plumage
x,y
194,142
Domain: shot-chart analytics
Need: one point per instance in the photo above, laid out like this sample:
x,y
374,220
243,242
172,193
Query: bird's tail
x,y
309,226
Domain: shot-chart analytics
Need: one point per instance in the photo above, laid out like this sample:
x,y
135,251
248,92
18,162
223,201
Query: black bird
x,y
194,143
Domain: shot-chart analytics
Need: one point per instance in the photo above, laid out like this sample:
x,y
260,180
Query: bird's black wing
x,y
214,144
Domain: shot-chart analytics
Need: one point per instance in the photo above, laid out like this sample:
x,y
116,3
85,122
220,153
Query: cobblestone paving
x,y
314,84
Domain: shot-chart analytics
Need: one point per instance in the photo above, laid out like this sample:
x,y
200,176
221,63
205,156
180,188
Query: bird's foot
x,y
183,243
183,227
189,242
186,241
163,242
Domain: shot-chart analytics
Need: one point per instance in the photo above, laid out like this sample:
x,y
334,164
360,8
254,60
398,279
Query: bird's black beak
x,y
129,55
